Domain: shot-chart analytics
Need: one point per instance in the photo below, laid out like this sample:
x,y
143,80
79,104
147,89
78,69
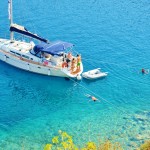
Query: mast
x,y
10,13
20,29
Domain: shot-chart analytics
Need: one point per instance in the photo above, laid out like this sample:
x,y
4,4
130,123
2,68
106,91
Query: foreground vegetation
x,y
145,146
64,141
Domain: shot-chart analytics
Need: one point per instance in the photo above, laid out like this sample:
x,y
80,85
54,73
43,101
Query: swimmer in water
x,y
93,98
145,71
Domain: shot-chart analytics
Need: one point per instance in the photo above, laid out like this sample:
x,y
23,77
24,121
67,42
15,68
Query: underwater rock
x,y
133,144
146,113
142,128
125,117
133,139
139,137
140,118
142,136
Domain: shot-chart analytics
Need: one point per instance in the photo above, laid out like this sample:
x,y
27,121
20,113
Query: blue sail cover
x,y
54,48
23,30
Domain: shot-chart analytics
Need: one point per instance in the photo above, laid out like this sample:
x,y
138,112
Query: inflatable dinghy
x,y
94,74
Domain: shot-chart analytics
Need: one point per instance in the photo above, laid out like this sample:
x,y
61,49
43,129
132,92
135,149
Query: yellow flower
x,y
75,148
48,147
55,140
64,134
59,148
84,149
91,146
70,141
64,144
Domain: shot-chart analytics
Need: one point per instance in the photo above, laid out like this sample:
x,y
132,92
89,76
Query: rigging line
x,y
28,10
96,66
87,60
128,66
103,98
90,63
76,52
32,24
22,14
94,93
129,79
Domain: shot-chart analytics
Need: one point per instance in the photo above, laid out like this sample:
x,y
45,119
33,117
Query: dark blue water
x,y
113,35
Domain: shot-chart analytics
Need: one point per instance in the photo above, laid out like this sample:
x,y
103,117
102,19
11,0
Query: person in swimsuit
x,y
73,65
64,64
93,98
69,56
145,71
78,62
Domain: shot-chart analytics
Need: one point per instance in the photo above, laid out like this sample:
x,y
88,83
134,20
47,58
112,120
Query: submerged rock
x,y
142,137
140,118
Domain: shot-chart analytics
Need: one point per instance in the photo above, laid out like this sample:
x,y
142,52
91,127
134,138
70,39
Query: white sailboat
x,y
47,58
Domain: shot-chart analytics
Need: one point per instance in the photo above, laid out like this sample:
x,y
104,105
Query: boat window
x,y
31,58
36,54
25,56
12,52
18,54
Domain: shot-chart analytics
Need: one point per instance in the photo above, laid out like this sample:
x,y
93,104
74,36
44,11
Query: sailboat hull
x,y
33,63
31,67
46,59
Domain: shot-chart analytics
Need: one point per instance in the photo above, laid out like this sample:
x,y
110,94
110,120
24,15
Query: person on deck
x,y
73,65
69,56
64,64
78,62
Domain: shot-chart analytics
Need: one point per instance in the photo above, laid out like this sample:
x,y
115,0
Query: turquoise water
x,y
113,35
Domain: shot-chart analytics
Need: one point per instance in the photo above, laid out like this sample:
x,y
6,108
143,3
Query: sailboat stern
x,y
74,73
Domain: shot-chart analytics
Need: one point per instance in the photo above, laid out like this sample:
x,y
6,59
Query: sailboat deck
x,y
16,45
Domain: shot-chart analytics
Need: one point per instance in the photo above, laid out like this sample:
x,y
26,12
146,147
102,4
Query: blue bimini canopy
x,y
53,48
